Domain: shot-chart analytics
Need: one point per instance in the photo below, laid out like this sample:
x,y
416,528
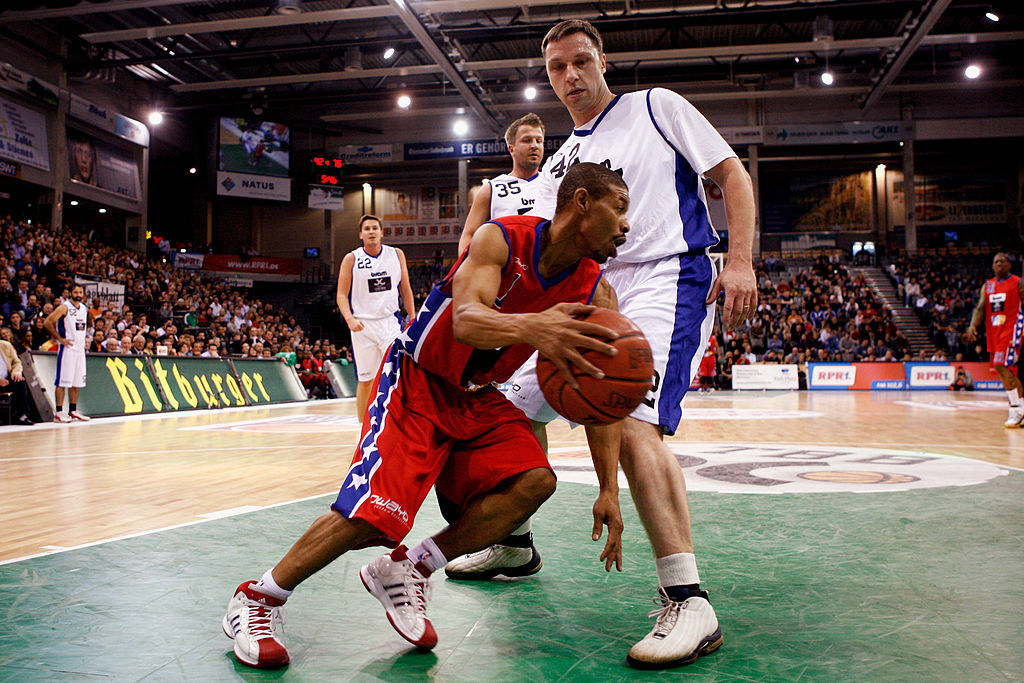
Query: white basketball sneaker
x,y
62,417
497,560
1016,418
253,621
75,415
403,589
683,631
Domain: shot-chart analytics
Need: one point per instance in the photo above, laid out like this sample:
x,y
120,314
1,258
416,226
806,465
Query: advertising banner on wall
x,y
950,201
469,149
419,214
188,261
109,120
768,376
23,135
262,268
847,132
25,84
367,154
94,162
106,292
254,186
128,385
898,376
328,198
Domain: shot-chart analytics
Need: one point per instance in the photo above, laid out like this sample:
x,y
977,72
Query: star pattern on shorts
x,y
358,481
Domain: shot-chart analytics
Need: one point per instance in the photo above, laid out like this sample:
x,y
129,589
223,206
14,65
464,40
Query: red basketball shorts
x,y
420,430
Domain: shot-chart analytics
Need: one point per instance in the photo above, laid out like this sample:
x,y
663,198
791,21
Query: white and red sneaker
x,y
252,621
62,417
75,415
402,588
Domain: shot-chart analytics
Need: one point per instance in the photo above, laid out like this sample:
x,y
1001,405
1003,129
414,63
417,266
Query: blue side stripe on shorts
x,y
356,487
695,277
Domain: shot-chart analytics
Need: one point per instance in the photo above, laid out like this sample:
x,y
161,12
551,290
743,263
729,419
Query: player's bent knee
x,y
534,486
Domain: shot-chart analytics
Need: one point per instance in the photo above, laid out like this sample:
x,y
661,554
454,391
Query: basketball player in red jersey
x,y
436,416
1000,304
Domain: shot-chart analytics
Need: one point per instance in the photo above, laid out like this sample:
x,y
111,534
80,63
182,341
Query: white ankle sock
x,y
524,528
677,570
1015,400
269,586
427,553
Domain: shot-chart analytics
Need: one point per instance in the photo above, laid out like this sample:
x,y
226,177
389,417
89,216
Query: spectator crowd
x,y
165,310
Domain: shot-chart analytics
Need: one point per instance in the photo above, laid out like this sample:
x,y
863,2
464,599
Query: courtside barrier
x,y
342,378
765,376
897,376
128,385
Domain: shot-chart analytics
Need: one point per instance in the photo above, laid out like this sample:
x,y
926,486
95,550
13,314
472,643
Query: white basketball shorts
x,y
665,298
70,366
371,343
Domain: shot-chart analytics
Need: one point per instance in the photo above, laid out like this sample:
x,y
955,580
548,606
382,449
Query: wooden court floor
x,y
889,548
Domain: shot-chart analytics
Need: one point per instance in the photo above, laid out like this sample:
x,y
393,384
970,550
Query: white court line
x,y
209,518
162,416
72,456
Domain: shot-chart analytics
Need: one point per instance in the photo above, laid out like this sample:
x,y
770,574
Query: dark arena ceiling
x,y
322,62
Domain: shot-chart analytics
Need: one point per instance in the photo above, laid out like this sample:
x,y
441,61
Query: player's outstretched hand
x,y
740,286
607,514
559,335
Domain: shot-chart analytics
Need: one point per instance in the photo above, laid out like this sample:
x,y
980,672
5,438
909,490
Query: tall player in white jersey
x,y
369,283
513,193
69,324
667,284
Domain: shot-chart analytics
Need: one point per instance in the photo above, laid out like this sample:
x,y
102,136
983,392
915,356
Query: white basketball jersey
x,y
72,326
661,145
375,281
514,196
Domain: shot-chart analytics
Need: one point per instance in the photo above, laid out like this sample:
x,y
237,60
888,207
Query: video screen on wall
x,y
254,146
94,162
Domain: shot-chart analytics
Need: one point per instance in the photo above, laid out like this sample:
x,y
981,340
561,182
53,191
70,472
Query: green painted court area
x,y
924,585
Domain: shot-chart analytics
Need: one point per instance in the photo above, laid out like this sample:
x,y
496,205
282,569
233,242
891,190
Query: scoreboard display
x,y
326,170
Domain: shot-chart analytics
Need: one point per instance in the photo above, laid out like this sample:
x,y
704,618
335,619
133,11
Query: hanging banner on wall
x,y
10,169
262,268
742,135
188,261
254,186
835,133
419,214
107,292
25,84
367,154
469,149
94,162
326,197
23,135
109,120
950,201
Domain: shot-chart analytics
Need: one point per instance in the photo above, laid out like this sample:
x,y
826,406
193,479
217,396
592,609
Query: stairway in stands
x,y
904,317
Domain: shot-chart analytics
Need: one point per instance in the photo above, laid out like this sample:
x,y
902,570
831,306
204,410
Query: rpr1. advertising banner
x,y
128,385
898,376
23,135
263,268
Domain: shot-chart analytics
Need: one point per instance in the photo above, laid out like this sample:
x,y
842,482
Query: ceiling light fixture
x,y
74,202
530,92
827,78
404,101
156,118
460,127
991,16
103,210
389,53
288,7
972,71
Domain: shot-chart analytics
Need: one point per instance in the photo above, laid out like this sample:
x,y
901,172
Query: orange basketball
x,y
628,376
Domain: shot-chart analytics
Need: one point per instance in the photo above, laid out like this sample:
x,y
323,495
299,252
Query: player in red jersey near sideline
x,y
1000,305
437,416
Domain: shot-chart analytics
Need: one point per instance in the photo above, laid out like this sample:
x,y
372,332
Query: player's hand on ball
x,y
558,335
607,513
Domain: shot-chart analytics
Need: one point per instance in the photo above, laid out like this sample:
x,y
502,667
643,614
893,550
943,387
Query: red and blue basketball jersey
x,y
430,339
